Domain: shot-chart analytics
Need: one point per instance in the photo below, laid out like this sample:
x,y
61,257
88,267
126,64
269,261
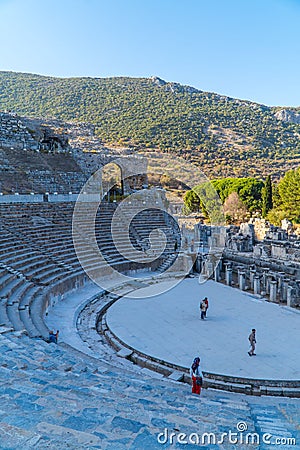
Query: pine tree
x,y
267,200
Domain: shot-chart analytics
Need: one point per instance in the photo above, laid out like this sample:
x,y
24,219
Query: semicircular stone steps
x,y
53,395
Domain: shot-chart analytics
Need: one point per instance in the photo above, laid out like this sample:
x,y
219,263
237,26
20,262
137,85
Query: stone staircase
x,y
53,397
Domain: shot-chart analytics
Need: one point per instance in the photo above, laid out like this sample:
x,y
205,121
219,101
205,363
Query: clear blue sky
x,y
248,49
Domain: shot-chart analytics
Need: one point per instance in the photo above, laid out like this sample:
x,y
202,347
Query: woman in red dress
x,y
197,376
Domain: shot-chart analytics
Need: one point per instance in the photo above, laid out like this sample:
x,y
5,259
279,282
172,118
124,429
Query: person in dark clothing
x,y
206,303
252,340
53,336
203,309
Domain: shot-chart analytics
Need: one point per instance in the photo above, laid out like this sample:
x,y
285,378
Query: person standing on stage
x,y
252,340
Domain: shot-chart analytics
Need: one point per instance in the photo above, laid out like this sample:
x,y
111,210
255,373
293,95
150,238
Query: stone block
x,y
132,426
176,375
125,353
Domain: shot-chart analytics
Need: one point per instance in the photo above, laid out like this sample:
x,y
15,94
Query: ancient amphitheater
x,y
100,387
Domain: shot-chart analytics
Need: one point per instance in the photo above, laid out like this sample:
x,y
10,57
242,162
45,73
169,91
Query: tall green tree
x,y
191,201
289,190
286,198
267,197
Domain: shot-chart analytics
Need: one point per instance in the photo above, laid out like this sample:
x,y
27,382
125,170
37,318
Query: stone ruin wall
x,y
14,133
269,267
49,155
39,156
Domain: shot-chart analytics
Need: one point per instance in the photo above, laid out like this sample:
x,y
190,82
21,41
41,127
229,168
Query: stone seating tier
x,y
34,252
42,383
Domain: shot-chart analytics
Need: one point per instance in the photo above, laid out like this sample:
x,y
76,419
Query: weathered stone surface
x,y
288,115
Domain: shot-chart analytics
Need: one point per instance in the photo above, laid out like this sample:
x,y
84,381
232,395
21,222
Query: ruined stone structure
x,y
269,266
14,133
40,156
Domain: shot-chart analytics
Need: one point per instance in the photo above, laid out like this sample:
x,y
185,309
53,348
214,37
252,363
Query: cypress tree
x,y
267,200
289,190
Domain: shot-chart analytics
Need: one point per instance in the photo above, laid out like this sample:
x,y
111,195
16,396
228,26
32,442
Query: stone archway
x,y
112,181
133,174
130,171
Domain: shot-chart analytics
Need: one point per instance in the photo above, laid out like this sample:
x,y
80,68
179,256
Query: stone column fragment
x,y
256,287
273,291
228,276
242,280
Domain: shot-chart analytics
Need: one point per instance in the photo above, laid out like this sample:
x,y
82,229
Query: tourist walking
x,y
203,309
196,376
252,340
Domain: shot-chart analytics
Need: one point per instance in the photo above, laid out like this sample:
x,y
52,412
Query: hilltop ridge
x,y
219,133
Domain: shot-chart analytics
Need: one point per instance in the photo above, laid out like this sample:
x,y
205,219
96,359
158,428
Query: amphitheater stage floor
x,y
168,326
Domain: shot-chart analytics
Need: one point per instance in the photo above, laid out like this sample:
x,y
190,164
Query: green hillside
x,y
225,136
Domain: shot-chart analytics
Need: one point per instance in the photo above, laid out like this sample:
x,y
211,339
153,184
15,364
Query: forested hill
x,y
227,136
